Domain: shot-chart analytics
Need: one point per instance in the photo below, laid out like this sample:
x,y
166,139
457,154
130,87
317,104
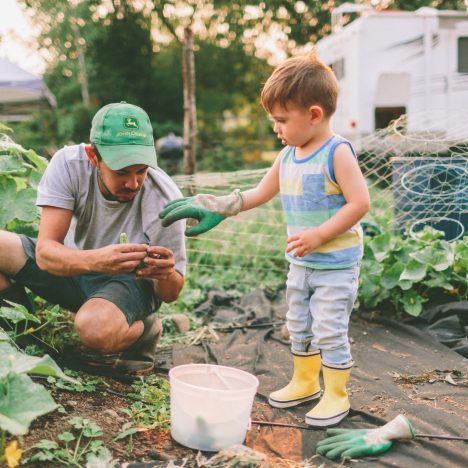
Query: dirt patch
x,y
150,446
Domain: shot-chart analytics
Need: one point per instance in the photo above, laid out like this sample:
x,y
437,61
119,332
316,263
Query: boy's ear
x,y
316,114
91,155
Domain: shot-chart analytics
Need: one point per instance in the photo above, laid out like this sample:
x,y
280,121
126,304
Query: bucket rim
x,y
200,365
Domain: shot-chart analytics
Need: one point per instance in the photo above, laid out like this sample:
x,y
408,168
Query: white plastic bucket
x,y
210,405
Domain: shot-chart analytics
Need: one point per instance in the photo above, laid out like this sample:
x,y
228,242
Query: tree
x,y
121,58
64,28
184,15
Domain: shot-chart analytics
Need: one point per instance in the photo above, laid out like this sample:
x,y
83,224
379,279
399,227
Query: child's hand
x,y
305,242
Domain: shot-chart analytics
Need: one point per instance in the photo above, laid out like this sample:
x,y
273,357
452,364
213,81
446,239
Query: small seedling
x,y
81,384
75,447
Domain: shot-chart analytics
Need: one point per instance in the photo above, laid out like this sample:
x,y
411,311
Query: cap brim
x,y
117,157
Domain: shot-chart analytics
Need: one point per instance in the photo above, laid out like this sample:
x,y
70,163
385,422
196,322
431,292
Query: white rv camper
x,y
390,63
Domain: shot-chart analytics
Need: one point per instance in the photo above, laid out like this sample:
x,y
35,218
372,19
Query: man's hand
x,y
207,209
305,242
118,258
160,264
160,267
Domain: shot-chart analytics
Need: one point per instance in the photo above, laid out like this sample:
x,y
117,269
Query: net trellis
x,y
419,178
415,179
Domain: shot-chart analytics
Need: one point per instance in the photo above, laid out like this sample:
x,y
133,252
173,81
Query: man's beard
x,y
108,195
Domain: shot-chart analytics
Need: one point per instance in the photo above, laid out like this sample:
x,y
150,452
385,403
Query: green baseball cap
x,y
123,136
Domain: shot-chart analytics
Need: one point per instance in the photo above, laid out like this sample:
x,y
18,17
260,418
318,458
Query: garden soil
x,y
400,369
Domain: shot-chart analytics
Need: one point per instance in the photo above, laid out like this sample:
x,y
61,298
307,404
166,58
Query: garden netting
x,y
400,368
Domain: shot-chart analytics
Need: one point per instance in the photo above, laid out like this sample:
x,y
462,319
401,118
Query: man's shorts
x,y
135,298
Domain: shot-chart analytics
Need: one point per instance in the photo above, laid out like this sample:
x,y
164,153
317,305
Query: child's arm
x,y
353,185
211,210
266,189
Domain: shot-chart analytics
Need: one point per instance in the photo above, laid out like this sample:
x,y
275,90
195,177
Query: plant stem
x,y
77,446
2,445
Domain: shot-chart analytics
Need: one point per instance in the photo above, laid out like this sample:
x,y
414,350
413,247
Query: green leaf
x,y
92,430
4,128
40,456
414,271
438,282
78,422
126,432
405,284
22,401
20,363
381,246
95,445
66,436
12,165
440,255
428,234
461,255
17,313
4,336
46,444
412,303
15,204
424,255
391,276
103,457
38,161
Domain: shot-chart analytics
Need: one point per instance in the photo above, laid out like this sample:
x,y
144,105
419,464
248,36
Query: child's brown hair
x,y
303,81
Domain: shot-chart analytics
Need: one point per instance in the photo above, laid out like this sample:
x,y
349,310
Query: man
x,y
90,195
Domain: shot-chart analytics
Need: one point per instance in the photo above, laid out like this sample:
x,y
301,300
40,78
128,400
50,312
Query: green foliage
x,y
246,256
17,320
50,326
79,384
405,273
20,170
124,71
152,408
39,132
74,123
23,400
226,157
76,447
110,47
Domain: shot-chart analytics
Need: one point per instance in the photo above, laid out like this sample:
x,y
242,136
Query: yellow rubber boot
x,y
304,385
334,405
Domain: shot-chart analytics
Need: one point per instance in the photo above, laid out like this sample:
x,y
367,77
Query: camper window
x,y
339,68
384,115
463,55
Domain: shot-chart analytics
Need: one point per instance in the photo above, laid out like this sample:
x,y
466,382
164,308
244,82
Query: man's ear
x,y
91,155
316,114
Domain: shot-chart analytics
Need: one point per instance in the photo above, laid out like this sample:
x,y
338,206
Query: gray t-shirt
x,y
70,182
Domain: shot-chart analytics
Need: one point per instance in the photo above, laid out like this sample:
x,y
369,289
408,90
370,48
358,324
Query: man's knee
x,y
101,326
12,254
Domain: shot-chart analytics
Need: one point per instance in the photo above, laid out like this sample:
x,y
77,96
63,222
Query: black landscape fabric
x,y
399,369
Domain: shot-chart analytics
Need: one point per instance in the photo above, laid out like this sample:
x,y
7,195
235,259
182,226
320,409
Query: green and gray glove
x,y
355,443
208,209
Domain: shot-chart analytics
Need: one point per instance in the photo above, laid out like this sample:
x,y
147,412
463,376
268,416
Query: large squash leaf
x,y
15,361
22,401
20,205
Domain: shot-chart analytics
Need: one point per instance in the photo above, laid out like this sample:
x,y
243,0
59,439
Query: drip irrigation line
x,y
277,424
446,437
311,428
250,325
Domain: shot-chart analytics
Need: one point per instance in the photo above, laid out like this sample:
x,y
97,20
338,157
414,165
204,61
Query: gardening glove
x,y
208,209
355,443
